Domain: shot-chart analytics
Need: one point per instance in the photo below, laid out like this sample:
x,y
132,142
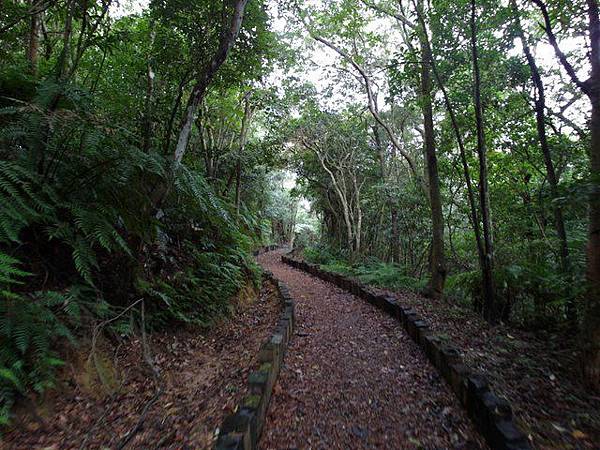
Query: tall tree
x,y
490,311
438,259
243,140
387,179
553,179
33,44
438,269
206,75
591,88
486,270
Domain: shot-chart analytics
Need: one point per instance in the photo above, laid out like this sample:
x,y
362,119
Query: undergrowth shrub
x,y
388,276
201,291
531,295
370,271
321,254
80,239
30,327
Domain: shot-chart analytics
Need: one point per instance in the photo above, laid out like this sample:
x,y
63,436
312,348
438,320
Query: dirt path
x,y
352,379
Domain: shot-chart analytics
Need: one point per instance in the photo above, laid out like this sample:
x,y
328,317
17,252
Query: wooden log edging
x,y
242,430
491,415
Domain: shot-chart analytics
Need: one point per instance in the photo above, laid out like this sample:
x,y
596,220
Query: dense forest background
x,y
447,146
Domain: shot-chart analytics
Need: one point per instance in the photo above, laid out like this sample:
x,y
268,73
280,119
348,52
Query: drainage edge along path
x,y
353,379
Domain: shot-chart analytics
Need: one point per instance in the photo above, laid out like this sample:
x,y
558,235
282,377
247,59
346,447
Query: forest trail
x,y
353,379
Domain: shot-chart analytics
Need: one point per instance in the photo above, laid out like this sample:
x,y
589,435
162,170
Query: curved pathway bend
x,y
353,380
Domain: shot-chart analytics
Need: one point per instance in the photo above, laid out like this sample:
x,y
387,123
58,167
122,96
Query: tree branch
x,y
547,27
370,96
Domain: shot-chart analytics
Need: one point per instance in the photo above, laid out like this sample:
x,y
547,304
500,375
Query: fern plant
x,y
54,195
76,193
28,332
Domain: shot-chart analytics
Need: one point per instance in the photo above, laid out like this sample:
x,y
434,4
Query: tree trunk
x,y
395,244
592,315
206,76
540,115
248,112
148,125
486,276
238,187
63,59
438,259
169,132
395,235
591,88
490,312
372,104
359,217
33,45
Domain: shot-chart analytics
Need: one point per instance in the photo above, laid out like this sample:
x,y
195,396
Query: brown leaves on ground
x,y
351,379
538,372
204,377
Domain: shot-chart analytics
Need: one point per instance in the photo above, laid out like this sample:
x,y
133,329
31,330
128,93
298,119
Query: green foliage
x,y
72,206
535,284
212,264
371,271
388,276
30,327
320,254
532,295
93,214
201,292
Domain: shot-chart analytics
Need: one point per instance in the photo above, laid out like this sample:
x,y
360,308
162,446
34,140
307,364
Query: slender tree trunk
x,y
60,71
592,315
65,54
238,186
359,216
150,75
540,115
591,88
486,275
206,76
291,236
248,112
174,111
490,312
372,104
33,45
395,235
438,258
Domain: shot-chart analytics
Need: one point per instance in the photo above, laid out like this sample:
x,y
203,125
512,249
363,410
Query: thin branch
x,y
380,9
370,96
547,27
38,8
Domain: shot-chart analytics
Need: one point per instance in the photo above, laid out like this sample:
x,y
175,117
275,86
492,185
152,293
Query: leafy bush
x,y
371,271
78,227
201,291
388,276
532,294
30,326
320,254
